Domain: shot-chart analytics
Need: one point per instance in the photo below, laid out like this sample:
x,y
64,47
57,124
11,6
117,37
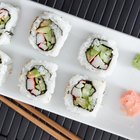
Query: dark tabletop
x,y
121,15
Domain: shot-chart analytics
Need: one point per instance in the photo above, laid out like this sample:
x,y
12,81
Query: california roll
x,y
98,55
48,33
8,20
84,95
5,66
37,80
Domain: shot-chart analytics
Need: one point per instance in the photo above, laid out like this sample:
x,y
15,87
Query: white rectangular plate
x,y
125,77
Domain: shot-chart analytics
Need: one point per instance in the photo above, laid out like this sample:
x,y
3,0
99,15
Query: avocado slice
x,y
6,19
46,23
2,24
91,53
43,30
33,73
47,37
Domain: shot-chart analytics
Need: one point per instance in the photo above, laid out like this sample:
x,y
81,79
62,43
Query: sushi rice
x,y
98,55
37,80
5,66
8,20
48,33
84,95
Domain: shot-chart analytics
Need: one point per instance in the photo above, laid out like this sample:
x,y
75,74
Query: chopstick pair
x,y
64,133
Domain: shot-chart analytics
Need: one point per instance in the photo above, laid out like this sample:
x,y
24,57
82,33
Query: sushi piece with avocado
x,y
5,67
8,20
98,55
84,95
48,33
37,80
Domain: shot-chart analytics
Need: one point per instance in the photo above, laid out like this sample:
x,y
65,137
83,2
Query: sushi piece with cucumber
x,y
8,20
37,80
48,33
5,67
84,95
98,55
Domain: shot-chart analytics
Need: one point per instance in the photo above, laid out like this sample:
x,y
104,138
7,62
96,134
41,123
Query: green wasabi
x,y
136,62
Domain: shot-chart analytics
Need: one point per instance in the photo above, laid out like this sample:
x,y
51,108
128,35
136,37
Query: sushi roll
x,y
48,33
98,55
37,80
5,66
84,95
8,20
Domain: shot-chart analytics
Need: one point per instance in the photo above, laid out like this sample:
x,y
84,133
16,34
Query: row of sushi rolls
x,y
37,81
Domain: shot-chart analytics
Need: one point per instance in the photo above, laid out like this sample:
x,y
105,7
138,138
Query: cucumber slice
x,y
6,19
88,86
82,102
100,48
48,36
53,40
38,87
87,91
90,108
80,85
42,85
106,55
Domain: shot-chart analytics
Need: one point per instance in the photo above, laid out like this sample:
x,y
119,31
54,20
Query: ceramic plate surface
x,y
110,117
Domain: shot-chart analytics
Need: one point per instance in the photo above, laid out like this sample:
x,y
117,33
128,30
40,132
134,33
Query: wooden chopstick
x,y
38,114
33,119
49,121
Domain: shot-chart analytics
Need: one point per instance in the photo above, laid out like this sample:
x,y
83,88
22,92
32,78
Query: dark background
x,y
121,15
